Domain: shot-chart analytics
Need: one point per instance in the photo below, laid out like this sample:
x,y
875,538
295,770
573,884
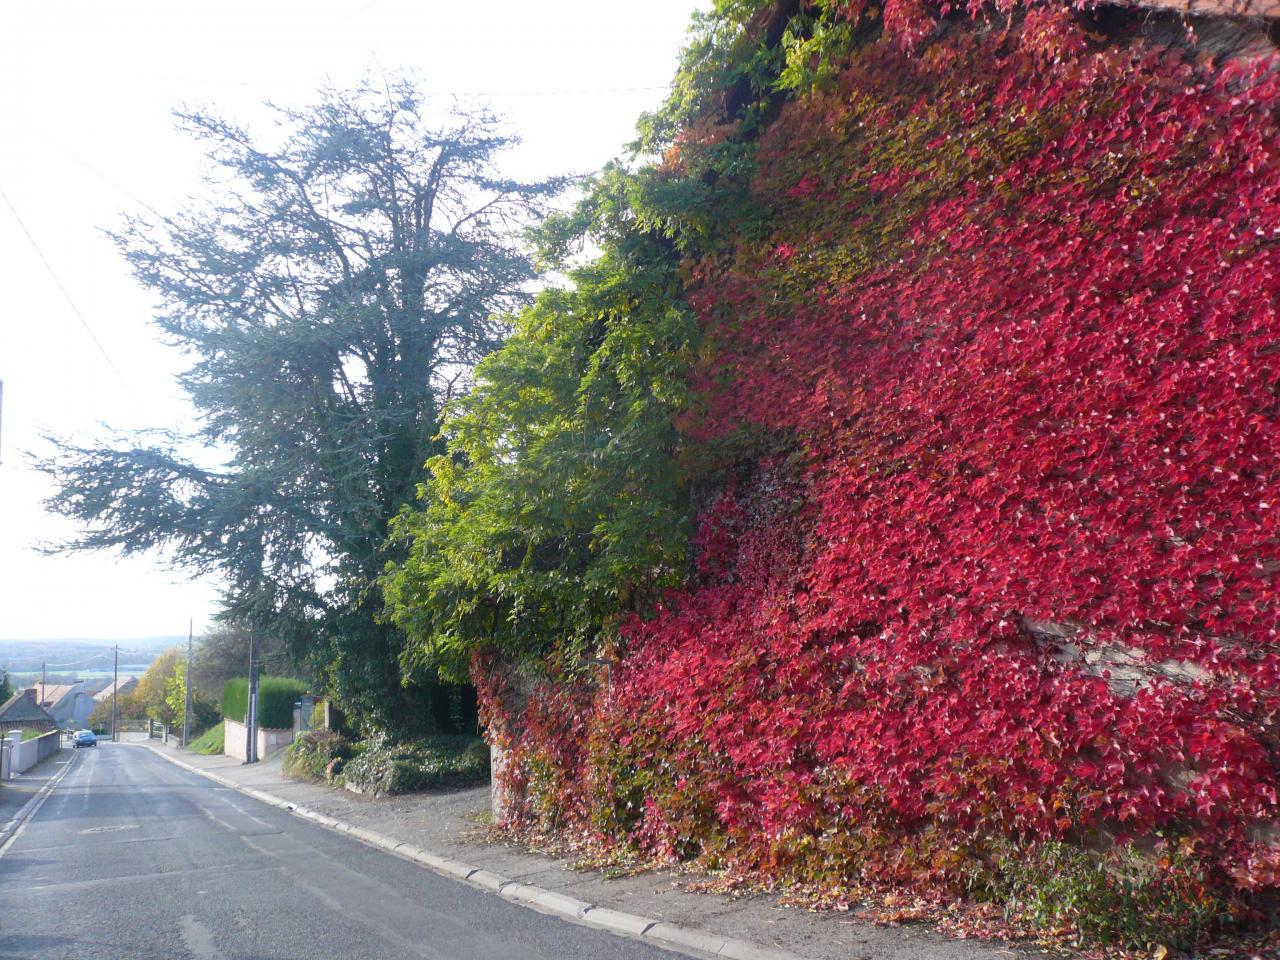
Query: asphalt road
x,y
132,857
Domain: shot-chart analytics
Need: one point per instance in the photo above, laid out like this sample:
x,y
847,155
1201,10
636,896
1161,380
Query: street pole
x,y
186,688
251,721
115,690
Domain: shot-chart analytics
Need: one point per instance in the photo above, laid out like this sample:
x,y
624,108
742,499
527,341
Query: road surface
x,y
131,857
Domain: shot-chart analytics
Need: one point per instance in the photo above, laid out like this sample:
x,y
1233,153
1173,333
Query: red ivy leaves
x,y
1021,315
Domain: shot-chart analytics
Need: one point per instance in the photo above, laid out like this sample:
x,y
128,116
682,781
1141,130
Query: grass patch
x,y
211,741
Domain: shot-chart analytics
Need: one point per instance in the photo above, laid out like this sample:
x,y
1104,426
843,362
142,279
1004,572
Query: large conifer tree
x,y
332,297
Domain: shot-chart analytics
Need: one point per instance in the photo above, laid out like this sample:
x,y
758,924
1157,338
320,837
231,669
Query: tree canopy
x,y
558,505
333,296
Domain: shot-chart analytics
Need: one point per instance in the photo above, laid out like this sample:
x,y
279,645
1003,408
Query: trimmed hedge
x,y
276,697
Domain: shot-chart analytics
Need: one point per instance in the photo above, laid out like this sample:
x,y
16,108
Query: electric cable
x,y
58,282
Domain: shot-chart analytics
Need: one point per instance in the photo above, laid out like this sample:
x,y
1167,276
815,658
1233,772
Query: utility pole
x,y
186,688
115,690
251,721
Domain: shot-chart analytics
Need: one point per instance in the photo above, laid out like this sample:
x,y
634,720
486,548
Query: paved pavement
x,y
16,792
132,857
448,824
19,796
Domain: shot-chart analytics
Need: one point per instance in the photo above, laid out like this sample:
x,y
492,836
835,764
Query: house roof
x,y
51,694
126,684
22,708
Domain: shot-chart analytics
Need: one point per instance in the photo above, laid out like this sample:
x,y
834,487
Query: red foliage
x,y
1021,314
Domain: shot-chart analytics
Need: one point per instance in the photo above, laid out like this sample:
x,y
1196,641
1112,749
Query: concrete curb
x,y
9,831
668,935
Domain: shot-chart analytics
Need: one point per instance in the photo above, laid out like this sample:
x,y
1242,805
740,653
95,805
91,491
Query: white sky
x,y
86,89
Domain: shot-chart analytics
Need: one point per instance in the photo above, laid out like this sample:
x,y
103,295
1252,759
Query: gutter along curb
x,y
659,933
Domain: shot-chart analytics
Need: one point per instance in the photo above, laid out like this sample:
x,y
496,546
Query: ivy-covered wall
x,y
998,568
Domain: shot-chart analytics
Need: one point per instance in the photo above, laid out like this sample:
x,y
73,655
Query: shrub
x,y
1123,898
204,715
317,756
276,697
383,768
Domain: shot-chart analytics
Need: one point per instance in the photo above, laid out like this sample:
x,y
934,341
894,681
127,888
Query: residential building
x,y
67,703
22,712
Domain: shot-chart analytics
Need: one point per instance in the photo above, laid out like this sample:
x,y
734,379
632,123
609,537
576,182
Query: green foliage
x,y
332,299
6,688
234,702
814,46
175,692
383,768
561,502
154,696
728,67
558,504
204,714
212,742
128,707
1125,899
276,697
223,653
317,756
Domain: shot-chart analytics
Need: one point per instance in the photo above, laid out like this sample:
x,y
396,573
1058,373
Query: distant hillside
x,y
80,656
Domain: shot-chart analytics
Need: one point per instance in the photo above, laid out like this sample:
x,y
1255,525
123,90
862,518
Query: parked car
x,y
84,738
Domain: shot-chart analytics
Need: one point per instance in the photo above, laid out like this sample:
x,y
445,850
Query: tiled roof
x,y
22,708
50,693
126,684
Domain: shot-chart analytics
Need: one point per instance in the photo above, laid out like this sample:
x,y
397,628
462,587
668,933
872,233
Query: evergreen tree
x,y
333,297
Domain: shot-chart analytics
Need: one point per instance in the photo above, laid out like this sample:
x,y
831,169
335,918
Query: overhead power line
x,y
66,296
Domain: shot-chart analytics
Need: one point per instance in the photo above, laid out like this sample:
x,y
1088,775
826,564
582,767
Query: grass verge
x,y
211,741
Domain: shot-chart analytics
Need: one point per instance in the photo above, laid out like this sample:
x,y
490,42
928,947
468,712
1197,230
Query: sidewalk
x,y
15,794
445,824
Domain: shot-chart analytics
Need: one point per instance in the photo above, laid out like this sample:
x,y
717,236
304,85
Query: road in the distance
x,y
134,858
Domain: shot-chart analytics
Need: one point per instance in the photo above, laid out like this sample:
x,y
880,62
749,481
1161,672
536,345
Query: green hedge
x,y
235,699
276,697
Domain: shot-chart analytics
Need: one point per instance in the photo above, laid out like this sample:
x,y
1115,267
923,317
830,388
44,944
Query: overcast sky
x,y
86,90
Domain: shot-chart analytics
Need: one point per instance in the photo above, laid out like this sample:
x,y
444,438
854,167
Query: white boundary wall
x,y
269,740
25,754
